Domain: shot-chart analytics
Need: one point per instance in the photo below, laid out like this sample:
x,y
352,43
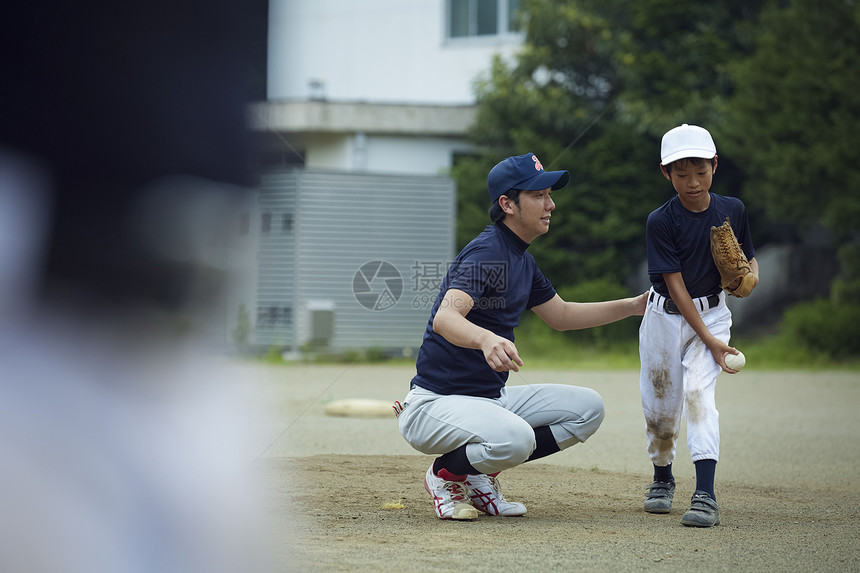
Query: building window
x,y
271,316
287,222
468,18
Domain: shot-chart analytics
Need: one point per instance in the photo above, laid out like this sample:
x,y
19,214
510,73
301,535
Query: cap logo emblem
x,y
538,166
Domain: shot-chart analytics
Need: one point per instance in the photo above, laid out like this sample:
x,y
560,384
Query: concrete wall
x,y
389,154
366,138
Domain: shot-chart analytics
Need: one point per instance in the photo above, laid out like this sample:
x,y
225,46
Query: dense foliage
x,y
825,327
599,81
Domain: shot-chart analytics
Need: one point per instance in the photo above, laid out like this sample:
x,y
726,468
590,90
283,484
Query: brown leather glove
x,y
735,271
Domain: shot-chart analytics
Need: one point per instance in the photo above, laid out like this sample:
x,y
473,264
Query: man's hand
x,y
500,353
639,304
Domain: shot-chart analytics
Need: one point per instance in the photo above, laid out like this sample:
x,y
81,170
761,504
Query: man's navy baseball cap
x,y
523,172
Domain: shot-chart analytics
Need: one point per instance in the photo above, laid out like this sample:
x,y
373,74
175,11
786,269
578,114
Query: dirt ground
x,y
787,482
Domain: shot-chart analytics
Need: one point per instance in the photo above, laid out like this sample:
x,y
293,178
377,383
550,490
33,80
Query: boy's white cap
x,y
687,141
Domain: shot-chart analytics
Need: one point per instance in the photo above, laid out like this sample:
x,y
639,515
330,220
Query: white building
x,y
368,104
382,86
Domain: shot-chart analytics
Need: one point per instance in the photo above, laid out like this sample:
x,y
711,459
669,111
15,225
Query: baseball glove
x,y
735,271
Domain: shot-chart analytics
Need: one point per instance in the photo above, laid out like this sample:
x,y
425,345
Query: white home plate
x,y
360,408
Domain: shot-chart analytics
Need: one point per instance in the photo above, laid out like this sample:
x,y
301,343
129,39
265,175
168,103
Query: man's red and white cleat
x,y
486,495
450,498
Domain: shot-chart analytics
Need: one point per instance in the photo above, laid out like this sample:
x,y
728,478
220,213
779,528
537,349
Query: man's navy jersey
x,y
678,240
503,279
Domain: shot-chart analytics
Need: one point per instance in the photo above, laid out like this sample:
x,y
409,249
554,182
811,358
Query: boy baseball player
x,y
684,335
459,407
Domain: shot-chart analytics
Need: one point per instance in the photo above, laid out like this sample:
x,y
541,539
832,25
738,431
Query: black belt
x,y
671,308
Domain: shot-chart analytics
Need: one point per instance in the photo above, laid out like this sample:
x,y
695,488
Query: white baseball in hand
x,y
736,361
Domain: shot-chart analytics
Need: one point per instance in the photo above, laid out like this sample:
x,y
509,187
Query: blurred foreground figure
x,y
122,164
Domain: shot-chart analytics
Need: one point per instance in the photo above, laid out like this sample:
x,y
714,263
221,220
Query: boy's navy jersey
x,y
503,279
678,240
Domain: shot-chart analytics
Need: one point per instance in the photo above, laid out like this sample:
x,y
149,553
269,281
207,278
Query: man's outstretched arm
x,y
562,315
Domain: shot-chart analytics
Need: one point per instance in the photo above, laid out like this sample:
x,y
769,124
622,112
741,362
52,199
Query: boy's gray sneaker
x,y
658,497
703,512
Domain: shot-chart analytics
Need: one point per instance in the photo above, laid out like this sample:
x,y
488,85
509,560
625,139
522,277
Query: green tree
x,y
593,89
794,115
674,60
